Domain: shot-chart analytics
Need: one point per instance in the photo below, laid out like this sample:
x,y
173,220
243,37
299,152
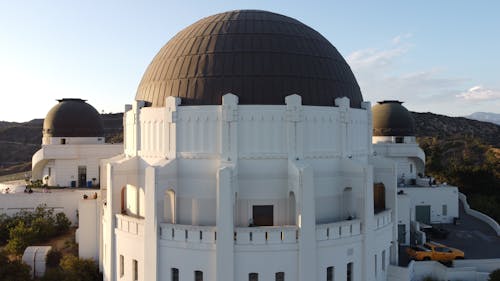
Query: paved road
x,y
476,238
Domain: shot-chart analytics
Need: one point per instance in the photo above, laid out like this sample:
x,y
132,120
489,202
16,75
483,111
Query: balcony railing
x,y
266,235
188,233
130,224
383,218
338,230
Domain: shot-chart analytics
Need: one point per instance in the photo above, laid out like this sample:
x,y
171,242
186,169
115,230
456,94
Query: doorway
x,y
423,214
262,215
82,176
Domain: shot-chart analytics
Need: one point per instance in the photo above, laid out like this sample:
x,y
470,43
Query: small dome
x,y
390,118
73,118
260,56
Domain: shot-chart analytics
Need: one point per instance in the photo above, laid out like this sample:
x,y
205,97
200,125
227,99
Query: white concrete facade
x,y
72,162
179,202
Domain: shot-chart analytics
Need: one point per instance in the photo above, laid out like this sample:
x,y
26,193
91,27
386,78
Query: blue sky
x,y
437,56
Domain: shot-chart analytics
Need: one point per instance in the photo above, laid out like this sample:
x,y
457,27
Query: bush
x,y
13,270
54,258
72,268
62,223
26,228
495,275
21,236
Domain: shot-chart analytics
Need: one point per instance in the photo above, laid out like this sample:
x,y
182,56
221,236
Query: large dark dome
x,y
73,118
391,118
260,56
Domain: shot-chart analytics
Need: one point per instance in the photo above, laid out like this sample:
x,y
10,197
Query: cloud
x,y
479,93
398,39
377,72
383,74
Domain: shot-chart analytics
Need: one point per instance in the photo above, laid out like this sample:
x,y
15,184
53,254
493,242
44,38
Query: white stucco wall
x,y
435,197
63,200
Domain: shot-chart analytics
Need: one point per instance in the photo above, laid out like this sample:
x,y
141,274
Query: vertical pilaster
x,y
307,236
170,129
366,105
150,226
225,226
294,127
136,109
229,128
368,224
109,274
343,104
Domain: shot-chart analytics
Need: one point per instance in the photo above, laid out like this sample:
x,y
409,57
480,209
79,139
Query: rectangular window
x,y
280,276
411,168
50,171
63,141
262,215
383,260
175,274
375,260
253,276
445,210
122,265
329,273
399,139
198,275
349,271
135,269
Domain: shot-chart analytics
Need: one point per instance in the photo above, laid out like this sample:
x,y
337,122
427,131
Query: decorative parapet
x,y
338,230
188,233
266,235
130,225
383,218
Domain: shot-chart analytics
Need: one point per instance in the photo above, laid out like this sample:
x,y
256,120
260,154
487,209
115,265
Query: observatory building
x,y
248,156
73,143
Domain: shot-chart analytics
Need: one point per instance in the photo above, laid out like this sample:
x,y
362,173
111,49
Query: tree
x,y
495,275
13,270
72,268
62,223
20,237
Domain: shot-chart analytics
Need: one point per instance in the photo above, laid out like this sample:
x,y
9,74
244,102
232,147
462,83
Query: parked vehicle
x,y
434,251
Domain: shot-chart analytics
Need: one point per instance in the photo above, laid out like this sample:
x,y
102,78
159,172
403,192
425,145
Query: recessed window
x,y
175,274
279,276
262,215
330,273
445,210
383,260
375,263
122,265
198,275
399,139
253,276
63,141
135,269
349,271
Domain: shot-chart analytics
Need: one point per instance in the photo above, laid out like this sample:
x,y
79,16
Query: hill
x,y
19,141
464,153
485,117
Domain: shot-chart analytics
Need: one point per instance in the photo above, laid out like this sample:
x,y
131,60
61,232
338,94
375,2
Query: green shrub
x,y
13,270
495,275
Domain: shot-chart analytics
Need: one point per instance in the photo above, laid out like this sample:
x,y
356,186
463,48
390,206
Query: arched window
x,y
378,197
347,202
123,208
174,274
253,276
329,273
198,275
169,206
292,212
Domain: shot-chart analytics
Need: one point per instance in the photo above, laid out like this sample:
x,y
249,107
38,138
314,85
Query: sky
x,y
436,56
